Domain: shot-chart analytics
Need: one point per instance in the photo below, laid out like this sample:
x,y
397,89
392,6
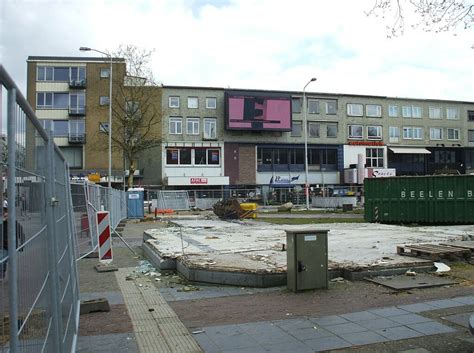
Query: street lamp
x,y
110,110
306,187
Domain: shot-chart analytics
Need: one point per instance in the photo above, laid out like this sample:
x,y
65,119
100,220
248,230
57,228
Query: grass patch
x,y
358,211
309,220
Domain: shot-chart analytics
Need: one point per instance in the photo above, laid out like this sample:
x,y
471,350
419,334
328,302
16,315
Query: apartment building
x,y
346,133
71,96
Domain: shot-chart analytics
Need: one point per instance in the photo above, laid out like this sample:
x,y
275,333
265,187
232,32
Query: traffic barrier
x,y
105,242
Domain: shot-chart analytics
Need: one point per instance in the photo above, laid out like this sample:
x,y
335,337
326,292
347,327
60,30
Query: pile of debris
x,y
231,209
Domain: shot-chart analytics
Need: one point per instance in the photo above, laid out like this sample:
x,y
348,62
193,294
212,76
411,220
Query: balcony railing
x,y
77,138
77,111
77,83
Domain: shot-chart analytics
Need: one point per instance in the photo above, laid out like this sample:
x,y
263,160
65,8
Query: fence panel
x,y
39,298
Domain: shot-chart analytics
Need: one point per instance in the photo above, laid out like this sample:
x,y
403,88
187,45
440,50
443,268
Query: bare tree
x,y
429,15
136,109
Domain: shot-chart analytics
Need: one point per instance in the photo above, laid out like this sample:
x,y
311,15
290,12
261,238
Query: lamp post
x,y
306,186
110,110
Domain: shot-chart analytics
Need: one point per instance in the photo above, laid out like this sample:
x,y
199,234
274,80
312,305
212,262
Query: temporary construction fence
x,y
39,294
87,199
174,200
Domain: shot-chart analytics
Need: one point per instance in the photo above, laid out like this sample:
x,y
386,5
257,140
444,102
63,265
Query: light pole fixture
x,y
110,108
305,122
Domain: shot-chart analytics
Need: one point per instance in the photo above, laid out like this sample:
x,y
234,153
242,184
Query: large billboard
x,y
258,111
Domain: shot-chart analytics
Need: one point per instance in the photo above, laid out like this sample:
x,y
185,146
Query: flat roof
x,y
73,58
322,94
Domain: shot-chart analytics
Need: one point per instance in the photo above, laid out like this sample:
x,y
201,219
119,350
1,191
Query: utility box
x,y
307,259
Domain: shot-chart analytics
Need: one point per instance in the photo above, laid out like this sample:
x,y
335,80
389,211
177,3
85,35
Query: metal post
x,y
305,128
52,245
110,122
11,190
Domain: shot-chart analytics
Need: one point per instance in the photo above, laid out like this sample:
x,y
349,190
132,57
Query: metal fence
x,y
39,295
87,199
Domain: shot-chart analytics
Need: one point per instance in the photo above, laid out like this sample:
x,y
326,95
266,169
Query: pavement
x,y
159,312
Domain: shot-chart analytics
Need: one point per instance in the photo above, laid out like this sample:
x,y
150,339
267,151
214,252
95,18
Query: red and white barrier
x,y
105,241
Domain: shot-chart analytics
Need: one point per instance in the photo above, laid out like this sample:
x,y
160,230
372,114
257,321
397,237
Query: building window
x,y
193,103
210,128
176,126
374,132
373,110
296,105
331,108
374,157
453,134
356,132
211,103
77,74
435,113
411,112
394,132
105,73
60,127
296,129
104,128
313,106
412,133
178,156
104,100
470,135
132,108
470,115
52,100
77,103
173,102
213,156
49,73
452,113
393,111
436,133
313,129
192,126
73,156
331,130
77,127
355,109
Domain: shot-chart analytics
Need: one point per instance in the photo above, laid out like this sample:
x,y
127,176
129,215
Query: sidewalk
x,y
161,314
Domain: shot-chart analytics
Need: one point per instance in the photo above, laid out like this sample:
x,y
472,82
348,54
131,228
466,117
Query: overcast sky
x,y
258,44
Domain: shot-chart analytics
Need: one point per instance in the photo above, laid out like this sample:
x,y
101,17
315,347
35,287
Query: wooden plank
x,y
432,251
461,244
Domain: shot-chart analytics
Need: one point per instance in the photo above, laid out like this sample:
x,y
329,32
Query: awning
x,y
409,150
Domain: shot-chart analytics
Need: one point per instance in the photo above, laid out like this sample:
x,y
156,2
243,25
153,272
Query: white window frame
x,y
411,111
417,133
175,125
375,114
208,103
379,132
434,113
393,111
192,122
412,133
456,134
105,72
210,129
351,107
393,133
374,160
450,115
173,102
434,132
351,135
193,102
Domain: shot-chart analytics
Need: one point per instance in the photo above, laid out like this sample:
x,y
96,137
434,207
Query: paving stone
x,y
431,328
270,336
460,319
387,312
206,343
341,329
245,350
310,333
398,333
237,340
417,308
415,350
294,324
409,319
327,343
329,320
359,316
114,297
112,343
378,324
465,300
226,330
444,303
363,338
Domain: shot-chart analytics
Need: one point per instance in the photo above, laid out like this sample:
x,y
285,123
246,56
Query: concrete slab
x,y
459,319
111,343
431,328
421,280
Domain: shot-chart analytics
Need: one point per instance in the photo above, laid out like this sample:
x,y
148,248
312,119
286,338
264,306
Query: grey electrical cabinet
x,y
307,259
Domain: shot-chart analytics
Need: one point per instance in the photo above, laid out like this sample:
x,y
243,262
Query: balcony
x,y
77,111
77,138
77,83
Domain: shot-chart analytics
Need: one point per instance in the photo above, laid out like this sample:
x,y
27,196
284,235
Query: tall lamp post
x,y
110,110
306,186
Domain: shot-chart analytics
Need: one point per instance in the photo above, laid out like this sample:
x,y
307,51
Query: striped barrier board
x,y
105,241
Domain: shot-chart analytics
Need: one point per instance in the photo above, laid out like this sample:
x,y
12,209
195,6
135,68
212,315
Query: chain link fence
x,y
39,294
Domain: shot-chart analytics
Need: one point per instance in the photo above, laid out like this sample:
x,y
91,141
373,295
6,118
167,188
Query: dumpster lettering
x,y
440,194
